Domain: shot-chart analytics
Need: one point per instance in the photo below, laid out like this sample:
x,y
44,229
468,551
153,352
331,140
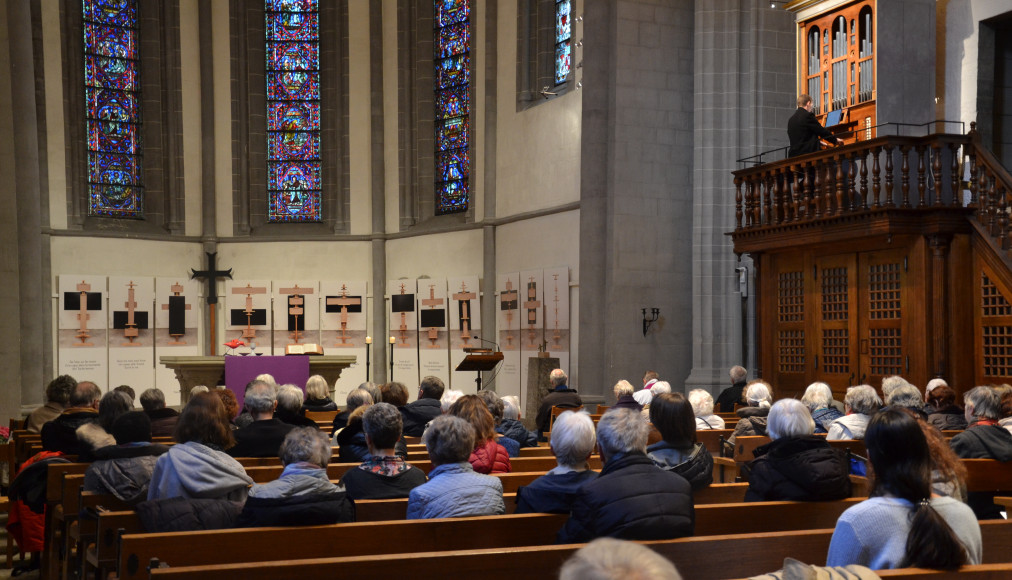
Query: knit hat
x,y
132,427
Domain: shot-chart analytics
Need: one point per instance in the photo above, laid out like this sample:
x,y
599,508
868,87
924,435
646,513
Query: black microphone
x,y
476,337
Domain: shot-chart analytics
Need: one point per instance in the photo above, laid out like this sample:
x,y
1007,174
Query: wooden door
x,y
786,351
836,322
882,347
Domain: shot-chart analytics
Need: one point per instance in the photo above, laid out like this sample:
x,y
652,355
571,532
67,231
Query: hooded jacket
x,y
302,496
694,463
123,471
849,427
798,469
983,442
490,457
631,500
194,470
951,419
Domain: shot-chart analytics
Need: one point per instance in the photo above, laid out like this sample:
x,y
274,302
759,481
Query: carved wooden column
x,y
939,301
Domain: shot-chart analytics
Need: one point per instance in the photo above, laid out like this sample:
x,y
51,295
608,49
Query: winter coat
x,y
951,419
123,471
515,430
630,402
848,427
454,490
261,438
26,516
340,422
294,419
194,470
694,462
632,500
302,496
730,396
511,446
351,443
983,442
490,457
319,405
562,396
552,493
183,514
43,415
824,417
418,414
60,434
751,424
163,421
798,469
92,437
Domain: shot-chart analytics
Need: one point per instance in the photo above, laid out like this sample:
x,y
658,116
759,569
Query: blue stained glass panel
x,y
293,206
115,200
452,102
452,133
293,145
300,175
110,105
113,169
112,12
562,22
293,116
293,86
293,26
451,11
295,56
109,41
291,5
563,62
114,73
453,40
453,165
453,71
453,196
113,137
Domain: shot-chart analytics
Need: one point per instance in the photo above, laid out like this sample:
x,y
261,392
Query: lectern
x,y
479,359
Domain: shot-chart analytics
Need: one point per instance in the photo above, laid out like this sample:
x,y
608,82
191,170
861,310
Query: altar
x,y
210,370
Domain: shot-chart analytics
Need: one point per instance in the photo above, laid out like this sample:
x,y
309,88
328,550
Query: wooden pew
x,y
754,553
979,572
322,416
710,438
55,515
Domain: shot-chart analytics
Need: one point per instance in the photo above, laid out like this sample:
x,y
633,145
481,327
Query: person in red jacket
x,y
488,456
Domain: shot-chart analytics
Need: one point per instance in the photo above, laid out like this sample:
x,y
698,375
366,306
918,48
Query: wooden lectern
x,y
479,359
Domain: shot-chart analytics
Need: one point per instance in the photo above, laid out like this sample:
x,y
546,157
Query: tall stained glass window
x,y
563,46
293,110
112,109
453,104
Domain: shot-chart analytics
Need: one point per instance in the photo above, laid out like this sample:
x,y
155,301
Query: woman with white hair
x,y
796,465
624,396
318,395
861,403
819,399
702,408
759,396
572,443
289,409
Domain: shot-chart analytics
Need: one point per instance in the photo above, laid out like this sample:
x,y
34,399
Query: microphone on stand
x,y
495,344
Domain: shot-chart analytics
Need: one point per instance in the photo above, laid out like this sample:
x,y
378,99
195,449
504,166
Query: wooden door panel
x,y
789,356
882,286
993,324
835,321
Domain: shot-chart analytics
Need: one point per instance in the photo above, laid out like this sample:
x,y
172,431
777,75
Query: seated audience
x,y
946,414
448,399
511,425
124,469
624,396
631,499
496,407
197,466
890,384
303,495
752,421
384,475
1006,412
487,455
163,419
394,393
702,408
983,439
611,559
902,525
908,397
819,399
734,394
129,392
659,388
289,409
60,434
231,405
796,465
246,417
351,443
644,396
454,490
678,451
356,398
560,396
572,444
931,386
57,397
97,434
426,408
317,396
262,437
861,402
373,390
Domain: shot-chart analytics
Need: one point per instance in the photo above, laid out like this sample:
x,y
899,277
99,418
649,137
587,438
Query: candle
x,y
392,340
368,340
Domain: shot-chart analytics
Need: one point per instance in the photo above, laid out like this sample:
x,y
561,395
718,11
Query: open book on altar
x,y
303,349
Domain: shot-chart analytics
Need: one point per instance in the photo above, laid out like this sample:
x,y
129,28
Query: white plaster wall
x,y
359,118
56,138
222,117
122,257
962,23
538,150
189,71
445,255
297,260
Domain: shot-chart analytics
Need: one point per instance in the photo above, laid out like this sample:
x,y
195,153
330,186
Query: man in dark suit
x,y
262,437
804,129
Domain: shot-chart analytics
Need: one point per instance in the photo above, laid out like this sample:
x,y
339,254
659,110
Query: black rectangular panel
x,y
351,307
72,301
238,317
177,315
120,317
402,303
508,305
432,318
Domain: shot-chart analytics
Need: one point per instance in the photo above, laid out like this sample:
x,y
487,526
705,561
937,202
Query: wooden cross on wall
x,y
344,301
211,275
556,336
296,303
432,302
82,316
464,298
508,302
249,333
532,306
130,332
177,290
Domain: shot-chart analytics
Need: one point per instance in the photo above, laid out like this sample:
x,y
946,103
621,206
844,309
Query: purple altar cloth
x,y
240,370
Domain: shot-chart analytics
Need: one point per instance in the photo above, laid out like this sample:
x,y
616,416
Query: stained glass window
x,y
112,108
293,110
563,48
453,104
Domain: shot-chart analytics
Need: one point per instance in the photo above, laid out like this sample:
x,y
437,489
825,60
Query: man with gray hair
x,y
861,402
631,499
560,396
418,413
262,437
60,434
163,419
890,384
290,407
983,439
908,397
356,398
572,444
732,395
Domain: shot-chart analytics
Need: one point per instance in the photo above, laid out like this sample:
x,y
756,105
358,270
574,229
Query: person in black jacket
x,y
678,452
356,398
560,396
262,437
731,395
796,465
804,130
289,408
945,414
426,408
385,474
983,439
572,443
631,499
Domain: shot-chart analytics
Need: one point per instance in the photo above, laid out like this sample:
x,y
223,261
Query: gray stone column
x,y
380,345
